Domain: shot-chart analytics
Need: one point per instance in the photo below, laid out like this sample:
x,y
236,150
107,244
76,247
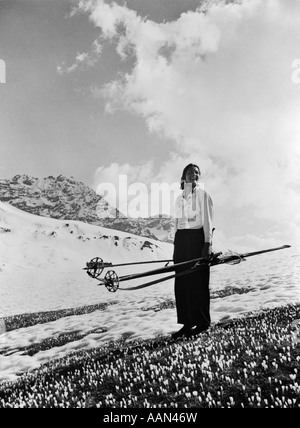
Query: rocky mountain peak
x,y
65,198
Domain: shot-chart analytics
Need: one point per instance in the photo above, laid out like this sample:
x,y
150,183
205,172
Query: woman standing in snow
x,y
193,239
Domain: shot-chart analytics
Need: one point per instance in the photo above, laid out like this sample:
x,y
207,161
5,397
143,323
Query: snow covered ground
x,y
41,263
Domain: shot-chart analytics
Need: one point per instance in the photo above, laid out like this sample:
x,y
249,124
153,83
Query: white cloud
x,y
219,84
83,59
137,191
120,185
80,58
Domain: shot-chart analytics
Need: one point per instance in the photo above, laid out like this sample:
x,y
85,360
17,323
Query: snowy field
x,y
41,270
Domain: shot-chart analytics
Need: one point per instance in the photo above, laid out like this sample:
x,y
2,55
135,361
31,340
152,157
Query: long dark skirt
x,y
192,290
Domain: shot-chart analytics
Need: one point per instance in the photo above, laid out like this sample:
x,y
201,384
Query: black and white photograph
x,y
149,206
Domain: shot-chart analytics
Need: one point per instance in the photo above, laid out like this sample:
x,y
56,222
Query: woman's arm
x,y
175,226
208,214
207,219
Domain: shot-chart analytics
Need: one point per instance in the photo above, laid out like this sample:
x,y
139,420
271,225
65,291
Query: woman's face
x,y
192,175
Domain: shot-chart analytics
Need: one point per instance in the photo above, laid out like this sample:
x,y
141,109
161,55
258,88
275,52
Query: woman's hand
x,y
206,252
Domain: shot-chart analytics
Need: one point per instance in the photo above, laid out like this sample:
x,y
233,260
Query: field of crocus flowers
x,y
249,362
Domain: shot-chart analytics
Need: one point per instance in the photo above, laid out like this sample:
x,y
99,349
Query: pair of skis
x,y
111,280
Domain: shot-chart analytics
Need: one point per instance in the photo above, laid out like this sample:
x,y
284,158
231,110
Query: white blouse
x,y
194,210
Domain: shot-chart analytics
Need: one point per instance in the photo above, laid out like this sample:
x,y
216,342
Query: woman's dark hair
x,y
190,165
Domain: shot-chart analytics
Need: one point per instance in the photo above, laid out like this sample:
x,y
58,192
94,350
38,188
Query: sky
x,y
101,89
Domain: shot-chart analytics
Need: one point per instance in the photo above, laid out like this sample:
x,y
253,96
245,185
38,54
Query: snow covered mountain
x,y
32,240
46,253
65,198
